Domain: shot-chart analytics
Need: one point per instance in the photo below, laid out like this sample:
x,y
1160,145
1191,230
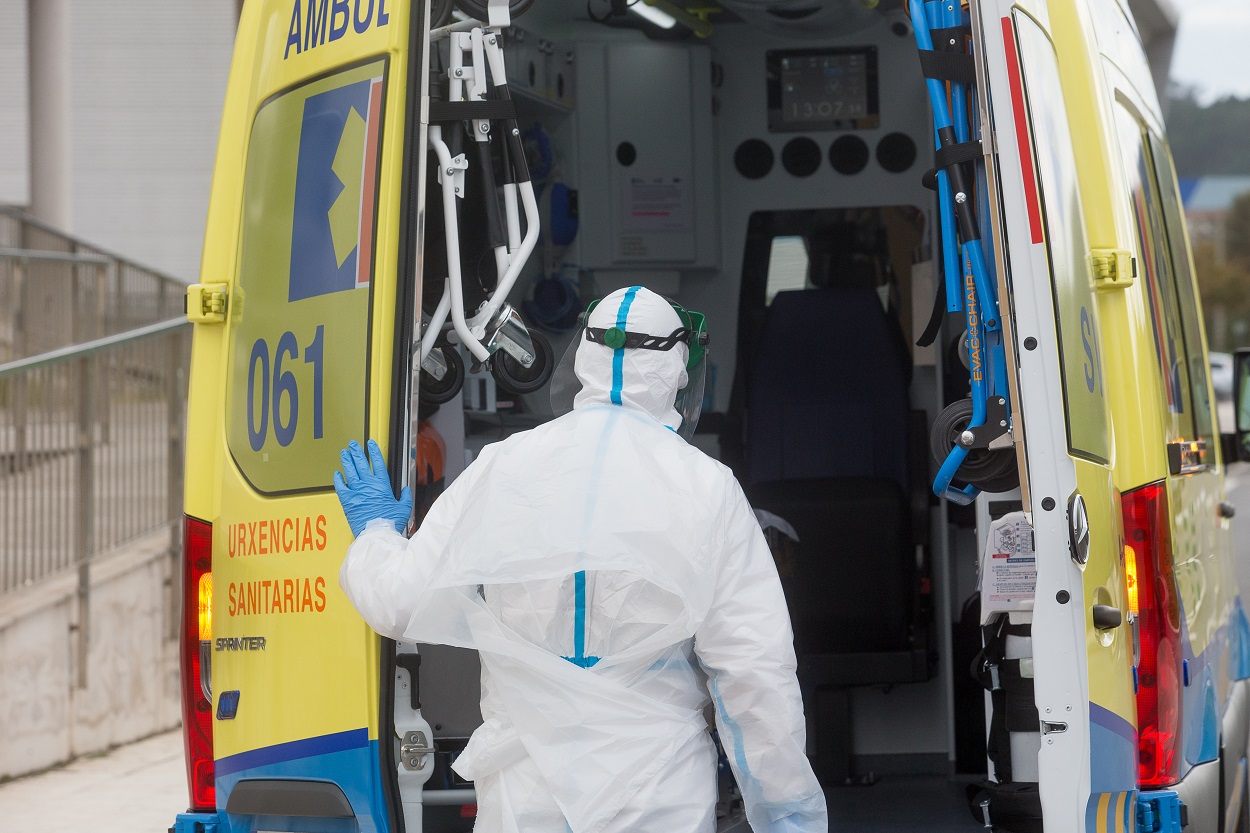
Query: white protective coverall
x,y
611,577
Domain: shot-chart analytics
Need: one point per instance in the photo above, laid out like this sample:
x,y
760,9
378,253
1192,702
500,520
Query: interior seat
x,y
829,447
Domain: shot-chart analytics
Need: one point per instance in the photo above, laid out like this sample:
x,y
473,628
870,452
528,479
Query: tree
x,y
1237,229
1225,284
1209,141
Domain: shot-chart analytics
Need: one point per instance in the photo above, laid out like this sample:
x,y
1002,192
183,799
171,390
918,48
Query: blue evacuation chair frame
x,y
969,287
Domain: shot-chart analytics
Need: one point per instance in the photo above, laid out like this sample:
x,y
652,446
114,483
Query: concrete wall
x,y
132,661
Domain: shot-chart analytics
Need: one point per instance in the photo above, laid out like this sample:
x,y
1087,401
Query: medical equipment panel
x,y
822,89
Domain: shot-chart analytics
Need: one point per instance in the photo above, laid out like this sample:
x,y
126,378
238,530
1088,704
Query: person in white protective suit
x,y
613,579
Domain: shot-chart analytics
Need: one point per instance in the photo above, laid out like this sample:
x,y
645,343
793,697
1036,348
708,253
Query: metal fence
x,y
91,450
56,290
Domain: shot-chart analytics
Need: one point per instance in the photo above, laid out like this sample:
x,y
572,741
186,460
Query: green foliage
x,y
1225,283
1237,229
1211,140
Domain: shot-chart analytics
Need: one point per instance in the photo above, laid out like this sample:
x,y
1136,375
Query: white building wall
x,y
149,80
14,109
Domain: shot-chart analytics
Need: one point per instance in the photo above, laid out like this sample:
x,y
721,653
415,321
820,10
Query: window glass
x,y
1067,248
299,310
1186,291
788,266
1155,270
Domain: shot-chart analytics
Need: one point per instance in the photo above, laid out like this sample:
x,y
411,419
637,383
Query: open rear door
x,y
1082,678
314,228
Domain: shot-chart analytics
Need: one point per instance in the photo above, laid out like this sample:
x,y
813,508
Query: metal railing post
x,y
176,418
84,510
19,343
80,493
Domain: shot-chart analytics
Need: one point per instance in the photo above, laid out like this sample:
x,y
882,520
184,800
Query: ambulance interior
x,y
768,175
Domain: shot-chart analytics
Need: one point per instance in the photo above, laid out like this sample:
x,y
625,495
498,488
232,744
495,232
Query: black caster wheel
x,y
516,378
441,391
440,13
990,471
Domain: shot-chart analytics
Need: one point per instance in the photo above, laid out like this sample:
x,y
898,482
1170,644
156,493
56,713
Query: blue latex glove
x,y
366,492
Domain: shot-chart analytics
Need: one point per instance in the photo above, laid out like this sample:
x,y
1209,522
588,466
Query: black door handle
x,y
1227,510
1107,617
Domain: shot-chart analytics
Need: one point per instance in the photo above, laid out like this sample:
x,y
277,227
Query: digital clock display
x,y
827,89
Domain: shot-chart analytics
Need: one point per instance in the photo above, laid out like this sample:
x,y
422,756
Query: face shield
x,y
689,341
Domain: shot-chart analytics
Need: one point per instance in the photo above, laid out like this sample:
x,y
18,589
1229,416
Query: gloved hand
x,y
366,493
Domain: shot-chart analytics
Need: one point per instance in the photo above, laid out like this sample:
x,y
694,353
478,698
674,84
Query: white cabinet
x,y
646,151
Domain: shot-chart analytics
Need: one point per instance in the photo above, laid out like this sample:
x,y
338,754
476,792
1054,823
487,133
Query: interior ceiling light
x,y
660,18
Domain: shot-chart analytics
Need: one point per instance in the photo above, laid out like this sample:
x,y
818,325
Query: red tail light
x,y
197,708
1147,535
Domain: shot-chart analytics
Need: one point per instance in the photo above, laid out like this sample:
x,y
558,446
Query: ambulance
x,y
956,360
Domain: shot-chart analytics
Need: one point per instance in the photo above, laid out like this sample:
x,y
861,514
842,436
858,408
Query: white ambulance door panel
x,y
1044,256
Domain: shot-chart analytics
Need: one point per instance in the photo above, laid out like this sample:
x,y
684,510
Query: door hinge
x,y
1161,811
206,303
1113,268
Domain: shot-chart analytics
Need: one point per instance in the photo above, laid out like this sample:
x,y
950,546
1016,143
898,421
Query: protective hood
x,y
643,380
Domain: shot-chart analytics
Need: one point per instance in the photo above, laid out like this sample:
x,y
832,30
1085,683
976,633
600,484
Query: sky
x,y
1213,48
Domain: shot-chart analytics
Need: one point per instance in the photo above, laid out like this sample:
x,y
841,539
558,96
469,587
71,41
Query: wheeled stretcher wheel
x,y
441,391
516,378
990,471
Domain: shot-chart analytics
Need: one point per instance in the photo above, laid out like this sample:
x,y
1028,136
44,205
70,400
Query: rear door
x,y
320,118
1083,683
1200,549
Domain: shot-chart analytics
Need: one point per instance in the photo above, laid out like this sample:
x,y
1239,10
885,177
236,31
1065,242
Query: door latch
x,y
413,750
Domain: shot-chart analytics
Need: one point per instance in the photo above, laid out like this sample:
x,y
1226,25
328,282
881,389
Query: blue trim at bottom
x,y
1159,811
195,823
293,750
354,768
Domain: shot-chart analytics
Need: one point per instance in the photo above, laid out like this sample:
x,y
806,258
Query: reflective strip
x,y
618,355
579,657
1118,819
737,740
579,617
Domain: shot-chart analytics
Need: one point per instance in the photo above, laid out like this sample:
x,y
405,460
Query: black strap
x,y
960,154
443,111
639,341
998,744
948,66
942,38
939,309
1023,630
944,157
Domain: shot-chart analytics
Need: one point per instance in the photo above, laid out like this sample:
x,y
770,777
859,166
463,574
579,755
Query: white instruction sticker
x,y
1009,565
658,203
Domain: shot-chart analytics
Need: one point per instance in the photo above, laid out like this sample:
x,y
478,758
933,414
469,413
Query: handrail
x,y
65,257
34,222
76,351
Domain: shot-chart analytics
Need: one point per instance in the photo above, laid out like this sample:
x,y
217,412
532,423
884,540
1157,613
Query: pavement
x,y
138,788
